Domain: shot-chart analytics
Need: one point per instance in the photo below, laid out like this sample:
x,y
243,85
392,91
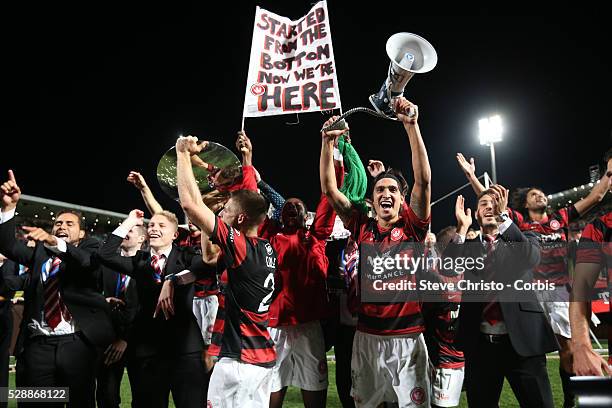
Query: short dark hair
x,y
488,191
397,176
253,204
76,213
230,173
299,200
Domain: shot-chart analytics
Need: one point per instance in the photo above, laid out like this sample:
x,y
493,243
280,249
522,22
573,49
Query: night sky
x,y
95,92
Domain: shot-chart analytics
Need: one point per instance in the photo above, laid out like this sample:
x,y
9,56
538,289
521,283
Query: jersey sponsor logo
x,y
417,395
555,225
551,237
396,234
269,249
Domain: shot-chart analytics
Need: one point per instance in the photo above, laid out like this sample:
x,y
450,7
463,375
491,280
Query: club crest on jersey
x,y
396,234
555,225
269,249
417,395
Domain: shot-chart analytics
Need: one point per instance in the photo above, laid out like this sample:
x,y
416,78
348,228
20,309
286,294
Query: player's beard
x,y
539,208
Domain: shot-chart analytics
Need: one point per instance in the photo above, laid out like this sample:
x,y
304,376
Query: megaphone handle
x,y
350,112
411,111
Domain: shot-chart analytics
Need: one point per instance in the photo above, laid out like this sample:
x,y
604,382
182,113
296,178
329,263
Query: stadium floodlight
x,y
490,132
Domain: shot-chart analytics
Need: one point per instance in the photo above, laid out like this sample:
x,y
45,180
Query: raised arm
x,y
590,257
325,216
9,246
596,195
108,252
189,194
327,174
420,198
244,145
469,169
210,251
375,167
275,198
585,360
140,183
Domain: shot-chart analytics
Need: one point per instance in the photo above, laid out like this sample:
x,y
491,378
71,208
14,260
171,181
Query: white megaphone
x,y
410,54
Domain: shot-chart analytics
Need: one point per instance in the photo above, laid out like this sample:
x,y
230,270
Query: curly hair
x,y
519,200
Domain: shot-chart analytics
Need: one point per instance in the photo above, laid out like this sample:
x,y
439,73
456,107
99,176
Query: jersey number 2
x,y
268,284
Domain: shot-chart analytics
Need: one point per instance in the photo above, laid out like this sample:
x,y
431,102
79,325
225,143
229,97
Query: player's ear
x,y
241,218
81,234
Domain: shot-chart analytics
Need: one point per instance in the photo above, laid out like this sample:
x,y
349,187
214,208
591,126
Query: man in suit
x,y
501,339
120,292
65,319
7,268
167,347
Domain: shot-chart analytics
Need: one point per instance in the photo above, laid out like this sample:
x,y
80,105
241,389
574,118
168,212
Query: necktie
x,y
54,307
121,284
492,311
156,265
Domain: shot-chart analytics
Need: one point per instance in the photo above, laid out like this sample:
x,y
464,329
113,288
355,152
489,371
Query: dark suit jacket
x,y
10,270
122,317
78,276
515,256
181,333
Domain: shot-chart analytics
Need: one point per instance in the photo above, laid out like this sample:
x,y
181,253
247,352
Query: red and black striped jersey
x,y
217,335
596,243
207,285
595,246
552,234
442,323
393,318
243,312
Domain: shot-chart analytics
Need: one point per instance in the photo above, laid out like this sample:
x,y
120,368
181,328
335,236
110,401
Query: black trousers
x,y
344,351
156,376
488,364
108,383
6,331
59,361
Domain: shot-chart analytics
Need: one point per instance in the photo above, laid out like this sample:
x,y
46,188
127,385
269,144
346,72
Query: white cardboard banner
x,y
292,68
